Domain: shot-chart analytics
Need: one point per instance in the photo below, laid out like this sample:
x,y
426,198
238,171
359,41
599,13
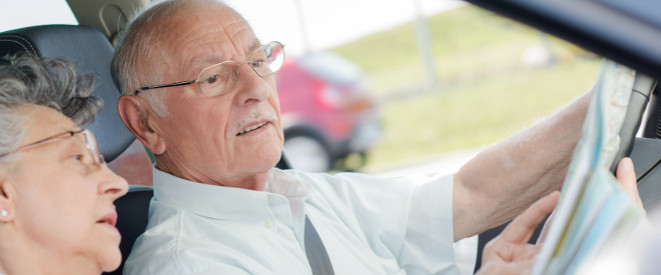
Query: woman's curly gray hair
x,y
32,80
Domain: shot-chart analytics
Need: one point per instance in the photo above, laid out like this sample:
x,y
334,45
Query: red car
x,y
327,113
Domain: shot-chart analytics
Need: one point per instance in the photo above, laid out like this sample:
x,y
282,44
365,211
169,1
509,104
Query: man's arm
x,y
504,179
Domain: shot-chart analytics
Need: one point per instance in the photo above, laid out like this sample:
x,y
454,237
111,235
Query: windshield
x,y
36,12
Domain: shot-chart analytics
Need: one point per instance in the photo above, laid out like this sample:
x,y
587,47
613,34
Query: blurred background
x,y
446,79
387,86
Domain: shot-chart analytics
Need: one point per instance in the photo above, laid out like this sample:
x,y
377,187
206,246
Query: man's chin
x,y
268,156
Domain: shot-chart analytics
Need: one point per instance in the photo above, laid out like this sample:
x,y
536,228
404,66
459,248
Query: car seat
x,y
89,51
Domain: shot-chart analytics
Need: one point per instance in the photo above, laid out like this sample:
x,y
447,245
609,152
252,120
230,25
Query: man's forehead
x,y
215,55
204,40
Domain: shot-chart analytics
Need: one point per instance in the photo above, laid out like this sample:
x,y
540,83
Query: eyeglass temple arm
x,y
164,86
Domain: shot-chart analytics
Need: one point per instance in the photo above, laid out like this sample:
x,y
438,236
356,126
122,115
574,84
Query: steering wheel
x,y
640,94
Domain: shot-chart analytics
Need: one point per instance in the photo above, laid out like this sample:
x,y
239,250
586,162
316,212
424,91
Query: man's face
x,y
206,139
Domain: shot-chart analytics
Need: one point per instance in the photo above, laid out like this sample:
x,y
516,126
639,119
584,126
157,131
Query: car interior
x,y
91,50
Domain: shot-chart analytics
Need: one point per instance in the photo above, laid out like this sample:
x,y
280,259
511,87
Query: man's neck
x,y
251,181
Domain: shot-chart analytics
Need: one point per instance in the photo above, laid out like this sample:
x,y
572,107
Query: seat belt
x,y
315,251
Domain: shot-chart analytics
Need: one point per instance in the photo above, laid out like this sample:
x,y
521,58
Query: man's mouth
x,y
251,128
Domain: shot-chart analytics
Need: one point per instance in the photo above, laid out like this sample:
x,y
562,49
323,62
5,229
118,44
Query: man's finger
x,y
521,229
545,229
627,178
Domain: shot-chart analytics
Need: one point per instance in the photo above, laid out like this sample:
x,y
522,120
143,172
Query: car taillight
x,y
361,103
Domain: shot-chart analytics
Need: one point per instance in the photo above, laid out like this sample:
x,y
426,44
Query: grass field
x,y
485,91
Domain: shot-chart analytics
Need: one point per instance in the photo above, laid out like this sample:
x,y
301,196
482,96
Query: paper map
x,y
592,205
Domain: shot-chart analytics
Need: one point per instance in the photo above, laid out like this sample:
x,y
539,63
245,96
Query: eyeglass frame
x,y
235,72
90,143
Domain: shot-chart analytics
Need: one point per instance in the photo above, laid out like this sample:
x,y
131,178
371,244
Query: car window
x,y
25,13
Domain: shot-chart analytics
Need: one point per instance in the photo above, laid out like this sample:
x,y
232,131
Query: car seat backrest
x,y
90,52
132,212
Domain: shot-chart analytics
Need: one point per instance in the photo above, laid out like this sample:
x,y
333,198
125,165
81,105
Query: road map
x,y
592,207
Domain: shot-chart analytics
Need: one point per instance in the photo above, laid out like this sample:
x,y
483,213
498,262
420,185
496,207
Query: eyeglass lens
x,y
221,78
92,148
88,150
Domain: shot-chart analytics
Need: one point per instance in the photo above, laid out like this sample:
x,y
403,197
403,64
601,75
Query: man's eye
x,y
257,63
212,79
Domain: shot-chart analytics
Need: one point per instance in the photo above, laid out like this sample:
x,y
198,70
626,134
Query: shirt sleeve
x,y
428,245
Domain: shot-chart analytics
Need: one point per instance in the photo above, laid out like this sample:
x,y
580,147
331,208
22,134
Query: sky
x,y
330,22
327,23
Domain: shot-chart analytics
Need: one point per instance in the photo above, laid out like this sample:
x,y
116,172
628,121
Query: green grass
x,y
475,114
485,93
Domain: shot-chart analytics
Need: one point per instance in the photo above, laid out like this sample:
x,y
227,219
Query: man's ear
x,y
137,118
7,198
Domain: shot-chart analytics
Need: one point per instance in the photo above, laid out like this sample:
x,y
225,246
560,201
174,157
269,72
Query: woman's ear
x,y
137,118
7,198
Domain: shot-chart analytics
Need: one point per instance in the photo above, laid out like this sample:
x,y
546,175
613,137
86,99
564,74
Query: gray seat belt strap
x,y
315,251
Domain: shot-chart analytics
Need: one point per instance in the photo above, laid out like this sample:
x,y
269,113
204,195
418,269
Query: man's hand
x,y
510,253
627,178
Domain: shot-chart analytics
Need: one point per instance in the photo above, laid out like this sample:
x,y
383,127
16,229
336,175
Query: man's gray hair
x,y
134,63
31,80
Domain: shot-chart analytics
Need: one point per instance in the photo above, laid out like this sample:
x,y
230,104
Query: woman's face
x,y
63,204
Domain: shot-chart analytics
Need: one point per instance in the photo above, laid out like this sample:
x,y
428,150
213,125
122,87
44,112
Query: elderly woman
x,y
56,193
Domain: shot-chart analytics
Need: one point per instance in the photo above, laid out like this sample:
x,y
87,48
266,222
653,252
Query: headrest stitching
x,y
18,42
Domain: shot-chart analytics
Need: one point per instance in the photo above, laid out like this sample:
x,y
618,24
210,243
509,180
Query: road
x,y
443,164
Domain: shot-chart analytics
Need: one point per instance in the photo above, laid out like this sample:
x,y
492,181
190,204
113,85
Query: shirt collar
x,y
222,202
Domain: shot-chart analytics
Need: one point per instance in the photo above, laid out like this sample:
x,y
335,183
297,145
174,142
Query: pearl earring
x,y
4,213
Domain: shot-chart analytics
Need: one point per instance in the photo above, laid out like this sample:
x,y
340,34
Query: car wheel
x,y
352,162
307,153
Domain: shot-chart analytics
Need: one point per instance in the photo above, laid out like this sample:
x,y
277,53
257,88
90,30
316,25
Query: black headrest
x,y
132,210
90,52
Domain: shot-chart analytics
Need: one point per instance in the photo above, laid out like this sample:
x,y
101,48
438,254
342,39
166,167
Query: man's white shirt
x,y
368,225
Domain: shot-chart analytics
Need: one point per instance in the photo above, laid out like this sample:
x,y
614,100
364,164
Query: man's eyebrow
x,y
255,44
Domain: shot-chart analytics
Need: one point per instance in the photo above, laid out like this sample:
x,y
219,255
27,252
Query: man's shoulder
x,y
165,249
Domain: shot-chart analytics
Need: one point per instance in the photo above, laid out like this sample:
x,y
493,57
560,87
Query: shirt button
x,y
269,224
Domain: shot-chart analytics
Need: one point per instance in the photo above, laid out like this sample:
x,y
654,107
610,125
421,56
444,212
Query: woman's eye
x,y
78,157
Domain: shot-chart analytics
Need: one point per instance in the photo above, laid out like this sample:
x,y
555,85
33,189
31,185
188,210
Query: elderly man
x,y
199,92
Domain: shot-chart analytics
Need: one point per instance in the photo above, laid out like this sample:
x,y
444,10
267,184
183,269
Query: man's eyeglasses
x,y
90,155
221,78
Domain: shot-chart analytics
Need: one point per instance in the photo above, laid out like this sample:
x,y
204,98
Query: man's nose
x,y
251,87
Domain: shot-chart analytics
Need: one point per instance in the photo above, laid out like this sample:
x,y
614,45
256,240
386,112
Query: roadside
x,y
443,164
